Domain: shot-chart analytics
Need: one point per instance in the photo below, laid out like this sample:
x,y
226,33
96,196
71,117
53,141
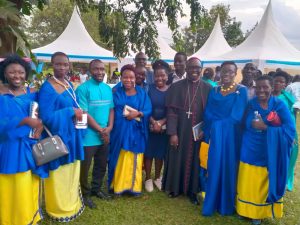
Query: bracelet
x,y
158,123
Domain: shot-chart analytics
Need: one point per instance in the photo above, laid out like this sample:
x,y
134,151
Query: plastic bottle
x,y
257,118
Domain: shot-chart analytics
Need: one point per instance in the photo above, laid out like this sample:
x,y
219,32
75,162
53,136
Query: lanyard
x,y
73,95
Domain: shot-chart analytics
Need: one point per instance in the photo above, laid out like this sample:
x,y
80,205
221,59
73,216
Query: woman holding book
x,y
129,135
19,175
59,110
222,118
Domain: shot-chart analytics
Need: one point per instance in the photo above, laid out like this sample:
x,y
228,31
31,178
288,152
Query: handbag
x,y
48,149
274,119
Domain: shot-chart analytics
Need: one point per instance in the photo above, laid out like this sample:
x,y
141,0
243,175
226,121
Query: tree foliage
x,y
127,24
131,24
194,37
45,26
12,39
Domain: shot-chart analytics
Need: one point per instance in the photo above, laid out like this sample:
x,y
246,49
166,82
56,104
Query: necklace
x,y
65,84
10,91
67,87
229,88
189,113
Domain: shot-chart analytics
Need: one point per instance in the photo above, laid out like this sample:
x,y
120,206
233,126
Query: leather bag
x,y
48,149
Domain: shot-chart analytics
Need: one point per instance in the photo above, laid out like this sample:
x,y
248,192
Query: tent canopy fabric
x,y
166,52
265,45
76,42
216,44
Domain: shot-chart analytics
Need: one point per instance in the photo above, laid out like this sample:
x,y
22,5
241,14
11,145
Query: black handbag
x,y
48,149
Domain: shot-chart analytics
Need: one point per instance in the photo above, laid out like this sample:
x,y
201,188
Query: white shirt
x,y
177,78
83,78
294,89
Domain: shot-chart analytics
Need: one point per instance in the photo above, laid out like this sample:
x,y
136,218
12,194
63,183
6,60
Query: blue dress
x,y
15,145
56,111
157,143
129,135
271,148
222,118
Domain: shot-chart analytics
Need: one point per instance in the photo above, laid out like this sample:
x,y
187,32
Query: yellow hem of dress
x,y
128,173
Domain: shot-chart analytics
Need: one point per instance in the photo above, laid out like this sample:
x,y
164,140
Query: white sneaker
x,y
157,183
149,185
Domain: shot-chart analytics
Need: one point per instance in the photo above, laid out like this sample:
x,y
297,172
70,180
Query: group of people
x,y
236,144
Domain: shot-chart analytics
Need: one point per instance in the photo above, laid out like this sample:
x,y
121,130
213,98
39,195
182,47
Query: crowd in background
x,y
232,146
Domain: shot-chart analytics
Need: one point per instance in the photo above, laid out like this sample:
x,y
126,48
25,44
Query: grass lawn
x,y
157,209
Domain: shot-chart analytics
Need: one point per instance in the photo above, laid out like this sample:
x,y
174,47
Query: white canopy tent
x,y
266,46
216,44
166,53
76,42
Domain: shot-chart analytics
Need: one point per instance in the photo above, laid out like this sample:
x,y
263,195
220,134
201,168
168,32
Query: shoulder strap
x,y
48,131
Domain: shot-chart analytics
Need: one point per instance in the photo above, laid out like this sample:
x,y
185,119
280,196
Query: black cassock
x,y
181,171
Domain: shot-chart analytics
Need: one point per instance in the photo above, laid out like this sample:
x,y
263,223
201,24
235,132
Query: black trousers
x,y
99,153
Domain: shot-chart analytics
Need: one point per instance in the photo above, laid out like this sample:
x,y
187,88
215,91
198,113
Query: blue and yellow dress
x,y
19,176
128,142
222,120
264,162
62,189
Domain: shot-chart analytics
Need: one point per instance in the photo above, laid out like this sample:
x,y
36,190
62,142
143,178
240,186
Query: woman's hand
x,y
35,124
259,124
133,114
156,127
78,114
174,141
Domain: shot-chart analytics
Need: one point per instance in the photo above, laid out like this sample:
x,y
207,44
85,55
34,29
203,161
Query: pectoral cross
x,y
189,113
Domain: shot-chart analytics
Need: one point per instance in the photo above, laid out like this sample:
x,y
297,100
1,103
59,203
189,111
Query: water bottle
x,y
257,118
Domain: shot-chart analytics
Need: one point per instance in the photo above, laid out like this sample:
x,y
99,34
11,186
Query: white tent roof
x,y
266,45
215,45
76,42
166,52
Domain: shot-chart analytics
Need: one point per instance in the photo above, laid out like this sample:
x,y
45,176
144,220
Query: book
x,y
127,110
197,130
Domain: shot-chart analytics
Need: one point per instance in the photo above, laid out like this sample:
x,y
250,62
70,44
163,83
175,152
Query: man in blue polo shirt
x,y
95,97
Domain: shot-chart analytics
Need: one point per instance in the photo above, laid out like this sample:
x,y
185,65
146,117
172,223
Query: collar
x,y
177,77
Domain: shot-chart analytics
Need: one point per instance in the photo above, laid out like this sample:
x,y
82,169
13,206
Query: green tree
x,y
12,39
132,22
45,26
194,37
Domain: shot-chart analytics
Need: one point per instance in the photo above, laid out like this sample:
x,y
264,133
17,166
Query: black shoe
x,y
173,195
194,200
102,195
89,203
